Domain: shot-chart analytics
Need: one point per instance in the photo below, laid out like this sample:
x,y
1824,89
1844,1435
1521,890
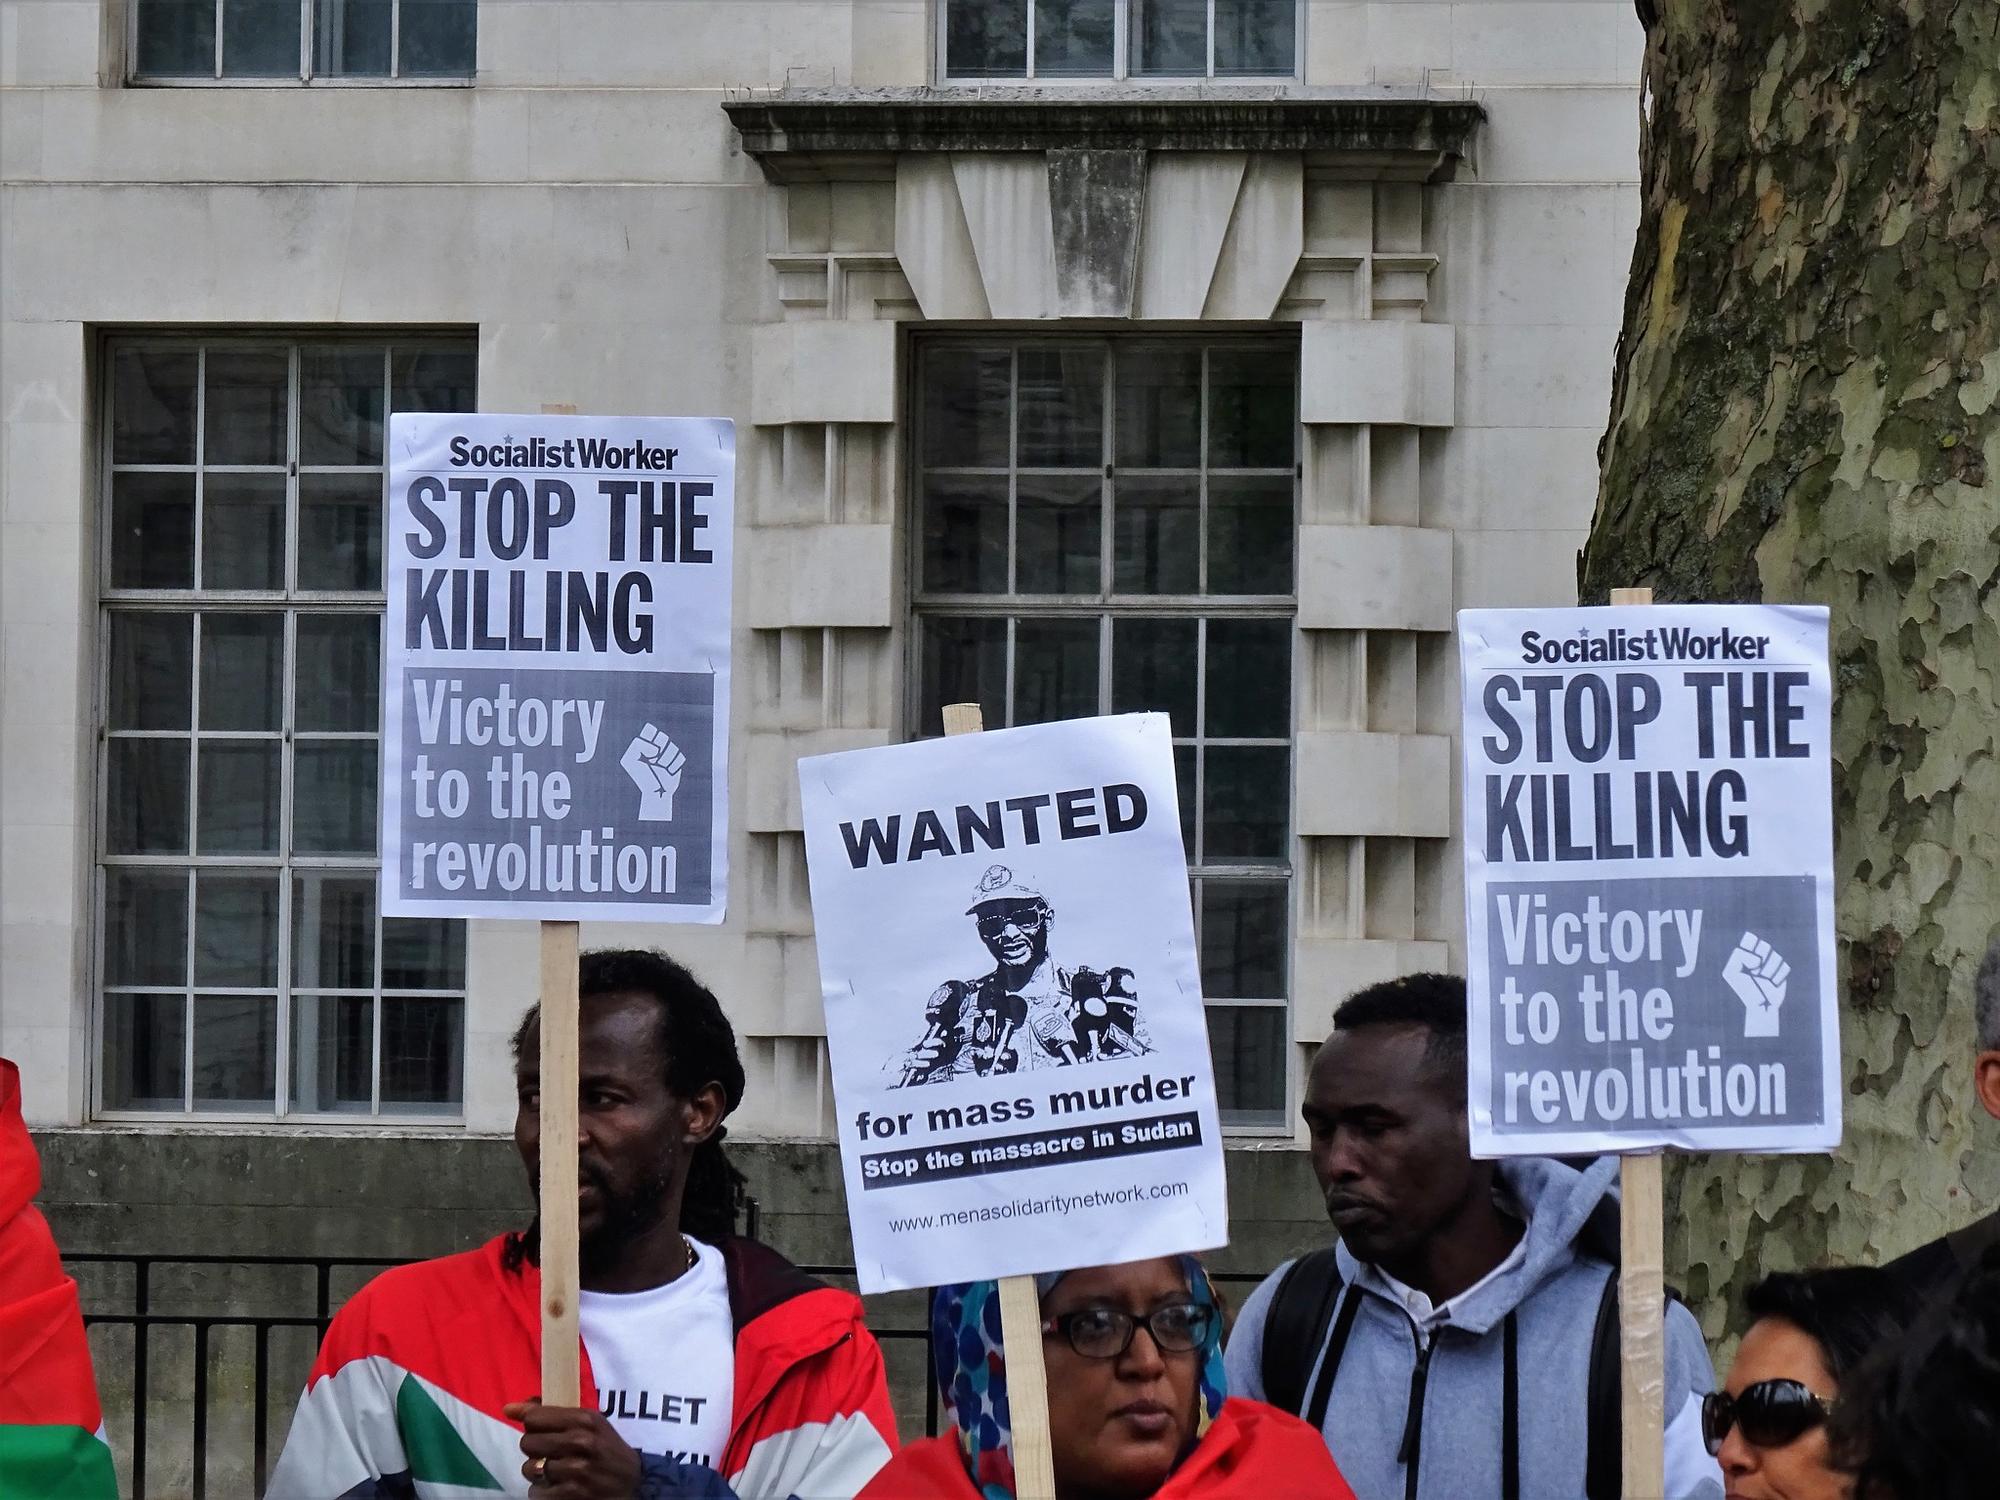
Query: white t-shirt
x,y
664,1361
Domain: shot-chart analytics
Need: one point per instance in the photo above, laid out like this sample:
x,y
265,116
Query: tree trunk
x,y
1807,409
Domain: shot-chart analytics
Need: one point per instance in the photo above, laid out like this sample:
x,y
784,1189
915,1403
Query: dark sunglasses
x,y
1771,1413
993,924
1106,1332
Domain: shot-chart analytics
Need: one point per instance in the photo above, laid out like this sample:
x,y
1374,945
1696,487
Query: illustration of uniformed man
x,y
1030,1011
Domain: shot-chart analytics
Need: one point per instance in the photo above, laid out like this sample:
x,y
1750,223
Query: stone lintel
x,y
802,135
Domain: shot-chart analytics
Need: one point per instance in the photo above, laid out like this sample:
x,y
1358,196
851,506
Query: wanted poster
x,y
556,667
1649,863
1020,1056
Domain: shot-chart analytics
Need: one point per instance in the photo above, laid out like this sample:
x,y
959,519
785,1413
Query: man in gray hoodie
x,y
1445,1346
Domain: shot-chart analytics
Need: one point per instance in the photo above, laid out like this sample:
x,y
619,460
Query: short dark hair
x,y
1849,1311
1433,1001
1922,1418
698,1047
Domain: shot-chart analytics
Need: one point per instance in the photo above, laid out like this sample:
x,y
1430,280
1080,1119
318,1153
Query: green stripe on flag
x,y
436,1451
55,1463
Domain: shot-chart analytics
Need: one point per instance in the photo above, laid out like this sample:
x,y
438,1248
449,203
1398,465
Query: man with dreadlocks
x,y
712,1367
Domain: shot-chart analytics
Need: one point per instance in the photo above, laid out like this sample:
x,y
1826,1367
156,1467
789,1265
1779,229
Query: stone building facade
x,y
1083,356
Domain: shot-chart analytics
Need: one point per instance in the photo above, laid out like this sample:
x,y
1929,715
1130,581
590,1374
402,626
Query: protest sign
x,y
1649,902
556,667
1013,1002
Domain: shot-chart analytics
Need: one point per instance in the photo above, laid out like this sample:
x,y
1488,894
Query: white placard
x,y
1649,879
555,667
1013,1005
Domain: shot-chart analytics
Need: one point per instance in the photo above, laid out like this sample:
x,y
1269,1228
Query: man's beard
x,y
624,1217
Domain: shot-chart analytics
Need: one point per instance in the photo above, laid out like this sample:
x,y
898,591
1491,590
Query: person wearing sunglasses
x,y
1137,1404
1767,1426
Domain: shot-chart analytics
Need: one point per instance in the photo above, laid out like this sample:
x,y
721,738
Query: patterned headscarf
x,y
971,1369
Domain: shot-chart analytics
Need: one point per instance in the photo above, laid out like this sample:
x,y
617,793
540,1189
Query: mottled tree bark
x,y
1807,408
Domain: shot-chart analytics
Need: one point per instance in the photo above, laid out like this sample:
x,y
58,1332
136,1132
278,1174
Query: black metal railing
x,y
131,1402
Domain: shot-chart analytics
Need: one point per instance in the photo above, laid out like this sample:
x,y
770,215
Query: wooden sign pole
x,y
1020,1311
562,1377
1642,1297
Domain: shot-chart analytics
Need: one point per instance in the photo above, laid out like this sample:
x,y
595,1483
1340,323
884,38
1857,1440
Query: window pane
x,y
1058,534
1062,409
145,1051
340,405
146,797
152,670
965,408
333,797
145,927
1248,1042
260,39
1250,535
1055,670
242,671
423,1047
1159,407
433,379
351,37
1153,669
965,535
423,953
986,38
1243,939
333,931
1256,38
439,41
244,421
1250,408
333,1048
238,804
1158,536
235,928
1170,38
235,1052
152,390
1250,678
1187,793
340,531
1073,38
965,661
152,531
339,666
1246,798
243,531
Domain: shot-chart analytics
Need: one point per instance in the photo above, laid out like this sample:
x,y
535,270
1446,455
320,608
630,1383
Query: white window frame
x,y
1108,605
1120,58
291,602
306,77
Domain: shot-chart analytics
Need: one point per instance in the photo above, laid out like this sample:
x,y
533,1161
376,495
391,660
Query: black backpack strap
x,y
1315,1412
1603,1472
1295,1325
1510,1410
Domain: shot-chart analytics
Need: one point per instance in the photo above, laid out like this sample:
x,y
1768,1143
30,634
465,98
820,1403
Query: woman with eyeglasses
x,y
1137,1409
1767,1425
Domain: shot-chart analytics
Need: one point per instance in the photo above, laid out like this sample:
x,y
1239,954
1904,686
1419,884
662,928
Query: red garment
x,y
1250,1452
411,1379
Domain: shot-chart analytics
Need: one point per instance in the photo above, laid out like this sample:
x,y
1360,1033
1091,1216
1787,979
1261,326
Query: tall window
x,y
1108,527
1159,39
303,39
242,966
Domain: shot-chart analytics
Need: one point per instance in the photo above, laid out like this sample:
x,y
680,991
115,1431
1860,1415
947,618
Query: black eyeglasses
x,y
995,923
1771,1413
1106,1332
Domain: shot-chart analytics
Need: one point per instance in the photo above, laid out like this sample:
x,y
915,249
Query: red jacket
x,y
409,1385
1250,1452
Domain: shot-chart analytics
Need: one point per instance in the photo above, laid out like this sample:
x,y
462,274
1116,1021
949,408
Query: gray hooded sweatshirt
x,y
1553,1288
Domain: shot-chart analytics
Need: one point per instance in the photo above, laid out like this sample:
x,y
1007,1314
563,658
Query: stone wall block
x,y
1376,578
771,791
1266,236
1005,198
1325,971
1389,372
823,371
1095,199
820,575
932,240
1189,195
1363,782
